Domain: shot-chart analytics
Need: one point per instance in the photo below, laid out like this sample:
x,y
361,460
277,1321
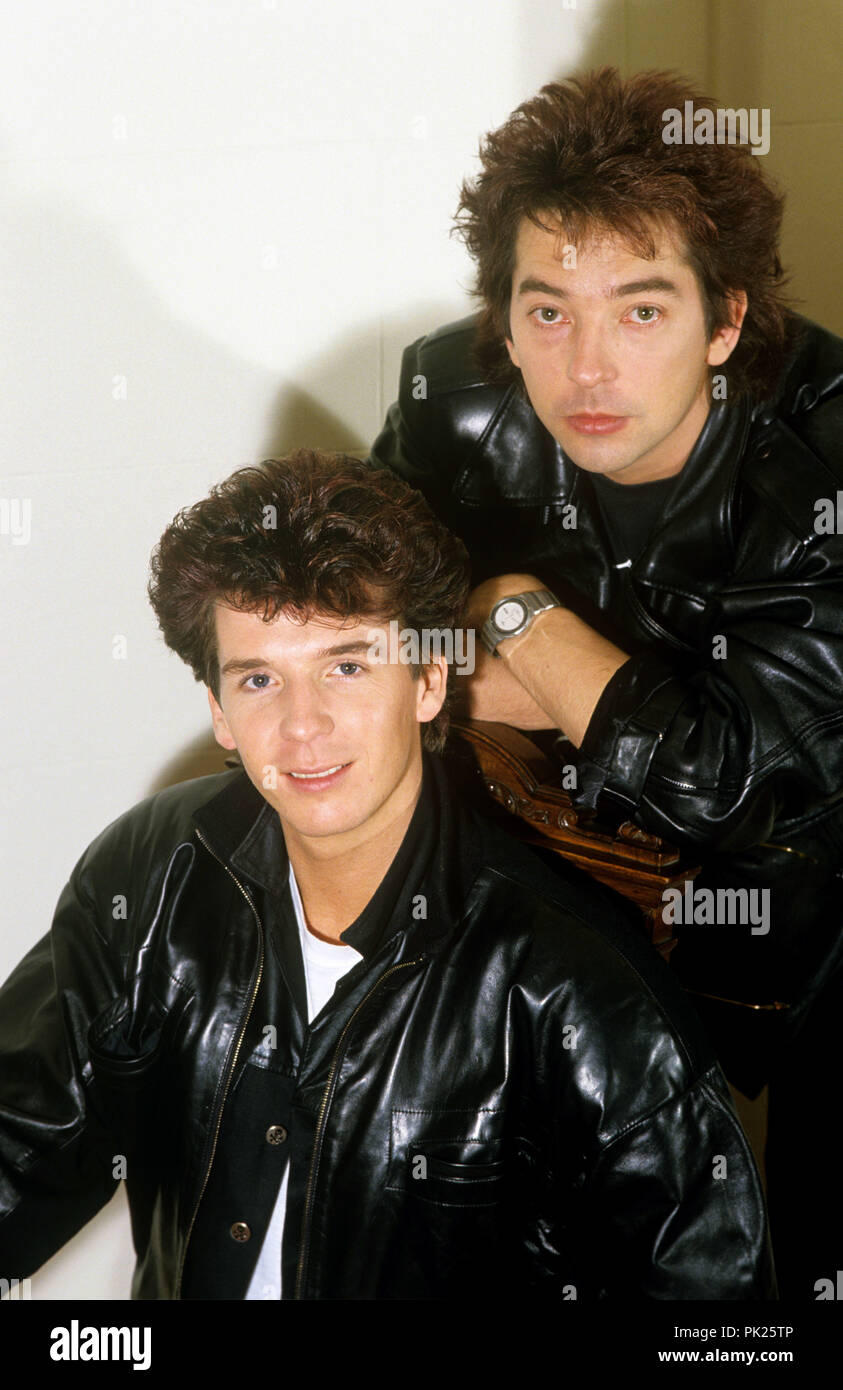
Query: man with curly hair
x,y
639,444
342,1037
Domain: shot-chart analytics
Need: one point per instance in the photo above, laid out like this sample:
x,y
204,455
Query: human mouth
x,y
596,424
320,778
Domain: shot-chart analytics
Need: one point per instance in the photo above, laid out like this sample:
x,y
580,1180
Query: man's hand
x,y
548,677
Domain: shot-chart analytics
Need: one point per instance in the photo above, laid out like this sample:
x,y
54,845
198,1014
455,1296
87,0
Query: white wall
x,y
222,221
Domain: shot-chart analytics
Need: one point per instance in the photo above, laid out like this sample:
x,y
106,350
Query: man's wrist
x,y
513,615
544,622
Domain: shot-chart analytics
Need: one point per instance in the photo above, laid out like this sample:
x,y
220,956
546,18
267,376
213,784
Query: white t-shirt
x,y
324,963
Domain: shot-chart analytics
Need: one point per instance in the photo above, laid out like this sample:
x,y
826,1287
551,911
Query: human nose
x,y
589,360
303,716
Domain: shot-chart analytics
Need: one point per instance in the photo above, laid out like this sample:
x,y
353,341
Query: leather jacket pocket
x,y
115,1057
455,1187
438,1180
448,1157
132,1092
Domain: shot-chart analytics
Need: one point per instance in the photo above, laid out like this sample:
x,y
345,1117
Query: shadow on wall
x,y
101,378
199,759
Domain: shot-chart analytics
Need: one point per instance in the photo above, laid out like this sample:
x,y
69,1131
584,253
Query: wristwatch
x,y
514,614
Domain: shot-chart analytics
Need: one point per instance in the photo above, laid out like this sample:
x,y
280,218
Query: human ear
x,y
724,340
513,355
430,689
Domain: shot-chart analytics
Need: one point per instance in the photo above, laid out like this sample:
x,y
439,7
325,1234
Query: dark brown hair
x,y
310,533
588,154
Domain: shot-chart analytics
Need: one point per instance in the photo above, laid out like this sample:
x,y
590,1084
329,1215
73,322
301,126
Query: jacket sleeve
x,y
718,746
657,1189
675,1207
55,1156
427,436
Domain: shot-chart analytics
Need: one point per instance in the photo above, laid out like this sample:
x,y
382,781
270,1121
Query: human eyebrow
x,y
533,286
346,649
656,284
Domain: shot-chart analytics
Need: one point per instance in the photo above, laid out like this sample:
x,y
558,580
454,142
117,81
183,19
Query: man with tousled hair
x,y
348,1040
639,444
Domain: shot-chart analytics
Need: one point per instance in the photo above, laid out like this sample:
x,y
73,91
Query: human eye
x,y
260,678
649,311
349,669
547,314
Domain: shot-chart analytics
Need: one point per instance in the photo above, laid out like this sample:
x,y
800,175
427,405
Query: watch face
x,y
509,615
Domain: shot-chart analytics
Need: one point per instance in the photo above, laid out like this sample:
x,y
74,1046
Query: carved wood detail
x,y
633,862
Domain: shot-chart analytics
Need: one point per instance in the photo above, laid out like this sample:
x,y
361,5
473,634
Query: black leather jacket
x,y
738,761
520,1037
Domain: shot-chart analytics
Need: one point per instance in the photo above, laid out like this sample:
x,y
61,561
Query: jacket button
x,y
276,1134
240,1231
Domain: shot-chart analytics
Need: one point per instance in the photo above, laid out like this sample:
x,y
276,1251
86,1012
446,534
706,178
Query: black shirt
x,y
630,511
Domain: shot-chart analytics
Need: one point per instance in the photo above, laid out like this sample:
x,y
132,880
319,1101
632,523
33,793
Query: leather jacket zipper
x,y
322,1120
777,1005
243,1026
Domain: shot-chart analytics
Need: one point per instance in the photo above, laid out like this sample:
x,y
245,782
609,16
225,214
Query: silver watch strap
x,y
535,601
